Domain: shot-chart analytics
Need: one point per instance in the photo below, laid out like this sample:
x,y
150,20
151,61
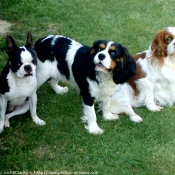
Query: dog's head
x,y
163,45
22,60
112,57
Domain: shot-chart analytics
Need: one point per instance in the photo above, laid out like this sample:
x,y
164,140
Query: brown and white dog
x,y
153,85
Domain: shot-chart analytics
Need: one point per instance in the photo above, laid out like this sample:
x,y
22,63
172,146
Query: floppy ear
x,y
125,69
10,44
158,47
29,42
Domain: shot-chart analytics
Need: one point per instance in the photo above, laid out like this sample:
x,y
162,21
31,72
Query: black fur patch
x,y
83,67
4,87
46,50
60,50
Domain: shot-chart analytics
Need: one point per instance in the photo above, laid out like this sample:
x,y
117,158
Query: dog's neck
x,y
104,77
106,83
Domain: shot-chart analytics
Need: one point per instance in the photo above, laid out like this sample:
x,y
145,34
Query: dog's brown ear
x,y
29,42
10,44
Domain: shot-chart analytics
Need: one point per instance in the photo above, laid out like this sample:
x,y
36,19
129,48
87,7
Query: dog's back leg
x,y
58,89
121,103
18,111
107,115
117,108
146,95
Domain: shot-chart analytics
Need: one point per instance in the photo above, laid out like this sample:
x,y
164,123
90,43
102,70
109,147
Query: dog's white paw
x,y
154,107
94,129
62,90
136,118
110,116
38,121
6,123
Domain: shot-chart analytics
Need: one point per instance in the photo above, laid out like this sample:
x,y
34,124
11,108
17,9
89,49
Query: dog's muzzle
x,y
28,70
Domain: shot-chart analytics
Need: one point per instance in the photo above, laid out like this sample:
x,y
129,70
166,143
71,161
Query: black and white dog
x,y
94,71
18,82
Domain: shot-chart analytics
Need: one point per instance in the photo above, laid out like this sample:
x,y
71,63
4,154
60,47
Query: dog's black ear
x,y
10,44
126,67
29,42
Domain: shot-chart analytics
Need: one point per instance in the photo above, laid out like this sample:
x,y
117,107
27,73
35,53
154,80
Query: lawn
x,y
63,146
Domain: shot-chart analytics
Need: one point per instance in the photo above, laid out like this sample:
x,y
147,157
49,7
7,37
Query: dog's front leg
x,y
32,106
90,118
3,106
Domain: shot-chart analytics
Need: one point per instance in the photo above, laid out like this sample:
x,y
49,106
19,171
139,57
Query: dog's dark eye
x,y
169,39
19,64
112,53
34,62
99,49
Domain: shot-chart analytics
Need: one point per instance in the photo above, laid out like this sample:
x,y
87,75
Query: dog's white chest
x,y
105,88
106,84
20,89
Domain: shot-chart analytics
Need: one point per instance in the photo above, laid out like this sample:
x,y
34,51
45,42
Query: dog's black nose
x,y
101,56
28,69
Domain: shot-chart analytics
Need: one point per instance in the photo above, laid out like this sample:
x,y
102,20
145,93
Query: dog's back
x,y
56,56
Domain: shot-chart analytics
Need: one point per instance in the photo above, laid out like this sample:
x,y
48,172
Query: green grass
x,y
63,144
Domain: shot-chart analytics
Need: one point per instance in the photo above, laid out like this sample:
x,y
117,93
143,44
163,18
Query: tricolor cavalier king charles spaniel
x,y
95,71
153,85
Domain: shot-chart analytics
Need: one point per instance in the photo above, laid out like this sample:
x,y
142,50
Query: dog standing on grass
x,y
18,83
95,71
